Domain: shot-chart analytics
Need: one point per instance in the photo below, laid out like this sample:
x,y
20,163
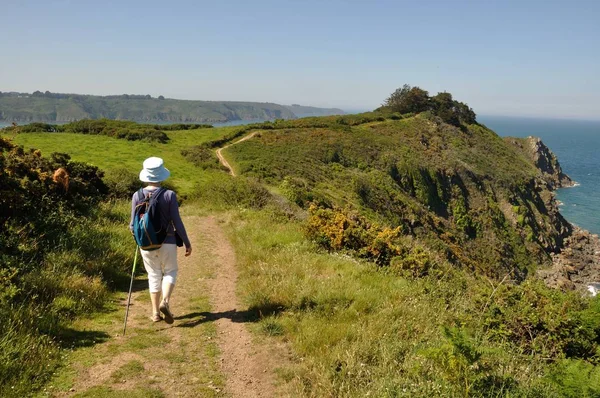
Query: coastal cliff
x,y
577,263
544,159
54,107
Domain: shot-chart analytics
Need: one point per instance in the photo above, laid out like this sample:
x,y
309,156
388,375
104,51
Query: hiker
x,y
161,263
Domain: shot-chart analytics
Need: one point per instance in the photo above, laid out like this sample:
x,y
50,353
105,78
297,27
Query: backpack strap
x,y
157,193
154,194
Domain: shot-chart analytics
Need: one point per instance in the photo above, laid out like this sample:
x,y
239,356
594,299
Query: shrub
x,y
226,191
414,262
56,258
547,322
337,229
202,156
122,129
122,183
297,191
463,364
575,378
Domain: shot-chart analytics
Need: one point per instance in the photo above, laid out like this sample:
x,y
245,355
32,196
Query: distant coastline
x,y
50,107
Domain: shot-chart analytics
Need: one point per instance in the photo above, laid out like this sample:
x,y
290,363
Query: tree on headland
x,y
407,99
444,106
160,97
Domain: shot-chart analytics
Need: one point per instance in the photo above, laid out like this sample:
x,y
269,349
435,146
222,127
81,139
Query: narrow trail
x,y
247,366
224,161
207,352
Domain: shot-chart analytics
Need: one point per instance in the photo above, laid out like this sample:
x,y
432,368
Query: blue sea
x,y
576,143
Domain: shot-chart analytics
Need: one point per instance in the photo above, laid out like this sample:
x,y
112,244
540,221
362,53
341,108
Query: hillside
x,y
388,253
456,192
53,107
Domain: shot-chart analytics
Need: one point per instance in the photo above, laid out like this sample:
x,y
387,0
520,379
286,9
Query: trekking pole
x,y
130,287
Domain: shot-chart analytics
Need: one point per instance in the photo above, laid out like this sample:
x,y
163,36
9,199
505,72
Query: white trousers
x,y
161,265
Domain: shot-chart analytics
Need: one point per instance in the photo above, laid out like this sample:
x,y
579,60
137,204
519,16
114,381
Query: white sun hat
x,y
154,170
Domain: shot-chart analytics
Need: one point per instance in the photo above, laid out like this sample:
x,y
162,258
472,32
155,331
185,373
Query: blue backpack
x,y
148,231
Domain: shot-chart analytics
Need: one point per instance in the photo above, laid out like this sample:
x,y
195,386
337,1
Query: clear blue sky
x,y
531,58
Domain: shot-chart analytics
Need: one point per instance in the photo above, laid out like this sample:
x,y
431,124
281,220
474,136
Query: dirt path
x,y
224,161
207,352
247,366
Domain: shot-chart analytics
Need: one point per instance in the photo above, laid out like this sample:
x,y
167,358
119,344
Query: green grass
x,y
73,280
111,153
108,392
192,354
357,330
195,354
444,185
128,371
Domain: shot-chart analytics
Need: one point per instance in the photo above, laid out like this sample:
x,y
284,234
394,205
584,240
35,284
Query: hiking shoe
x,y
164,308
156,317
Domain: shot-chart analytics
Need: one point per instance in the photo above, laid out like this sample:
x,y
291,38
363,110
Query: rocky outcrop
x,y
544,159
577,265
575,261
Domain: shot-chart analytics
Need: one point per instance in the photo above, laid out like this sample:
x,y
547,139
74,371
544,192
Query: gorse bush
x,y
337,229
122,182
58,257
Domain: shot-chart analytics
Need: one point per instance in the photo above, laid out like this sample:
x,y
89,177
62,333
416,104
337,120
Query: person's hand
x,y
188,250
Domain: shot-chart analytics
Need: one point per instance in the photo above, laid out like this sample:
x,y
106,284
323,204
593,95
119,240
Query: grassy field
x,y
359,330
110,153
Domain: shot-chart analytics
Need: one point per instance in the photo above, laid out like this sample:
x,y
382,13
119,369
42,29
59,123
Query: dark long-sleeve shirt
x,y
169,211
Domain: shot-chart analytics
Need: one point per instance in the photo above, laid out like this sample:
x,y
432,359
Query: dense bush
x,y
181,126
413,99
121,129
202,156
122,182
299,192
227,192
337,229
544,321
55,259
